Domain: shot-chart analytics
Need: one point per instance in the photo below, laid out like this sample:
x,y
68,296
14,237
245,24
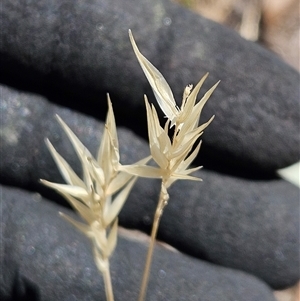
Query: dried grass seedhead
x,y
101,194
173,156
164,95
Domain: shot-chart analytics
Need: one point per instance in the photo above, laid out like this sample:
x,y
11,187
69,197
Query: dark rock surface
x,y
252,225
242,224
74,52
43,258
28,119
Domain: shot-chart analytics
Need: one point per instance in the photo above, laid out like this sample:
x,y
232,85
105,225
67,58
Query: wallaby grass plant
x,y
106,184
92,196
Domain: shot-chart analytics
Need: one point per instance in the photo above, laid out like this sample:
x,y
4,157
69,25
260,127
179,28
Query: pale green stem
x,y
107,284
163,199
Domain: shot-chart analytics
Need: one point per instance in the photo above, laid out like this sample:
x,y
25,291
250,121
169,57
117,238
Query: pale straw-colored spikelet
x,y
106,183
172,155
100,196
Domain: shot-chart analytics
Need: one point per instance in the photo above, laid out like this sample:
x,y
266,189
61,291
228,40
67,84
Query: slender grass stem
x,y
107,284
163,199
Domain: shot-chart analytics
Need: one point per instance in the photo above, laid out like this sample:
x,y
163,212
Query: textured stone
x,y
44,258
28,119
251,225
75,52
242,224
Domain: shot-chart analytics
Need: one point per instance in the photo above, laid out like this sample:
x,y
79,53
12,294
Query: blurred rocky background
x,y
272,23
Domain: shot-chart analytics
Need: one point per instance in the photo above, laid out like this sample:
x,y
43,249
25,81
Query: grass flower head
x,y
100,195
173,156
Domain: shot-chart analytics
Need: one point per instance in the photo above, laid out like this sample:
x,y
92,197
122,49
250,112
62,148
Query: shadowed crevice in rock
x,y
24,290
